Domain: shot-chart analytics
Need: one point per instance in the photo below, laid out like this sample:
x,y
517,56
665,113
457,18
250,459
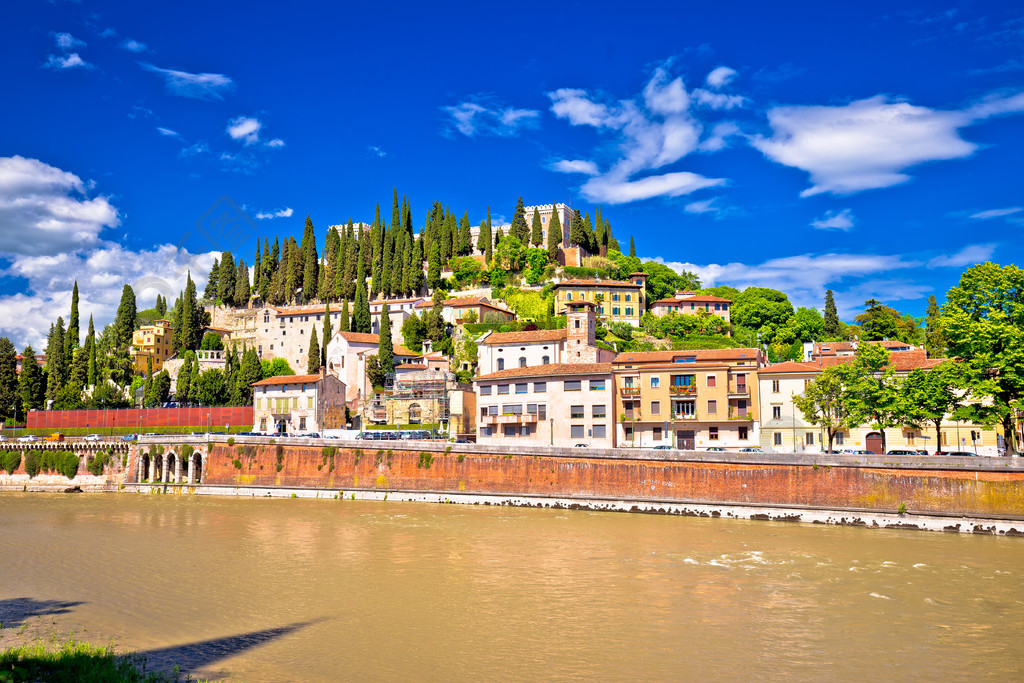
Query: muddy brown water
x,y
337,589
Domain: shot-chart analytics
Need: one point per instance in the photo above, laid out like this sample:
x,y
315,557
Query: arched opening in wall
x,y
172,468
415,414
873,442
157,468
197,468
144,465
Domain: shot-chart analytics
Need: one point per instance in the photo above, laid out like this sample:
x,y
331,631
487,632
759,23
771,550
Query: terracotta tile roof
x,y
463,302
551,370
900,361
830,348
698,298
395,301
596,283
288,379
531,337
405,352
701,355
359,337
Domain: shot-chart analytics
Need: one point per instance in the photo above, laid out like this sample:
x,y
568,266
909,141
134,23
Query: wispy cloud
x,y
167,132
968,256
720,77
868,144
281,213
481,116
67,42
245,129
702,206
196,149
133,46
202,86
833,220
376,151
652,130
69,61
997,213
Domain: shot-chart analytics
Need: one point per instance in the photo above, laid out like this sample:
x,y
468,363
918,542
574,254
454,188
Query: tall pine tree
x,y
73,338
519,229
554,234
386,348
831,327
313,356
536,231
327,334
226,279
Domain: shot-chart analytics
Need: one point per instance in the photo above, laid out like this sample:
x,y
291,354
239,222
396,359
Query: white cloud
x,y
245,129
167,132
133,46
968,256
868,144
198,86
575,166
71,61
653,130
483,117
377,151
719,137
276,142
67,42
833,220
281,213
703,206
44,210
194,150
720,77
717,100
997,213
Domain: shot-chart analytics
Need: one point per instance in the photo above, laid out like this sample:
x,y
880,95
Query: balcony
x,y
630,391
682,389
739,390
509,418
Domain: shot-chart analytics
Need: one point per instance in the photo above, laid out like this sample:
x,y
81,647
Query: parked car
x,y
3,439
662,447
901,451
861,452
28,438
56,436
751,449
93,437
582,445
129,437
714,448
966,454
312,435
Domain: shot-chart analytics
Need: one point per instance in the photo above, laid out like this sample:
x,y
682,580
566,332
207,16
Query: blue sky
x,y
871,148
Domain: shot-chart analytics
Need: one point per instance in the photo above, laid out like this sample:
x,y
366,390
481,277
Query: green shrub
x,y
237,463
462,456
279,453
902,509
426,460
231,441
33,463
97,464
186,451
69,464
11,460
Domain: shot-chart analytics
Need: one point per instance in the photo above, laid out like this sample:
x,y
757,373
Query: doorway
x,y
873,442
685,439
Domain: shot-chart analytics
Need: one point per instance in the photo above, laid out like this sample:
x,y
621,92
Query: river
x,y
282,589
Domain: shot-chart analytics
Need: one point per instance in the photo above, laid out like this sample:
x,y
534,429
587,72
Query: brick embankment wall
x,y
975,492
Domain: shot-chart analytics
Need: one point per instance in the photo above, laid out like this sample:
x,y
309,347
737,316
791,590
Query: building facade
x,y
455,311
298,404
691,400
614,300
691,303
151,341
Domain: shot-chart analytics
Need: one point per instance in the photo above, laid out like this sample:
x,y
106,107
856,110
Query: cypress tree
x,y
483,238
465,236
266,274
55,363
30,383
210,292
193,378
434,266
588,230
226,279
176,321
536,231
149,379
311,263
387,263
8,378
347,283
554,235
397,284
124,321
498,236
296,270
831,327
577,235
241,296
161,306
519,229
489,249
90,344
450,238
249,372
183,386
361,315
257,270
343,321
327,334
191,316
613,244
386,348
396,215
321,287
73,338
313,357
632,246
378,266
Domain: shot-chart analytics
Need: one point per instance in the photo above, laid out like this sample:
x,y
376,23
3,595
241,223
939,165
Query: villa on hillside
x,y
691,303
614,300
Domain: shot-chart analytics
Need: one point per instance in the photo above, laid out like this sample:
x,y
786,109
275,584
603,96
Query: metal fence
x,y
141,418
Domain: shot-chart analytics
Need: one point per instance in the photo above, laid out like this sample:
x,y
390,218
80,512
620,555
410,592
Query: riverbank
x,y
72,660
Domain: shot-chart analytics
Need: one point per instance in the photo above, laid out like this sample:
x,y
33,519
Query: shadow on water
x,y
14,611
192,656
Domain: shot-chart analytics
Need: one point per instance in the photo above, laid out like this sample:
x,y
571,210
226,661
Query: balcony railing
x,y
683,390
630,391
509,418
739,390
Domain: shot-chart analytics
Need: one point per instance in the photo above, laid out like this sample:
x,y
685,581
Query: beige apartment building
x,y
614,300
691,303
690,400
785,430
298,404
454,311
151,341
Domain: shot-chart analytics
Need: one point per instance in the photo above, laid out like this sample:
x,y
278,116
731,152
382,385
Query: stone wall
x,y
978,489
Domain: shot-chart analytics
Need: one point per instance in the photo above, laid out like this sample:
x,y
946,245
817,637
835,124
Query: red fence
x,y
213,418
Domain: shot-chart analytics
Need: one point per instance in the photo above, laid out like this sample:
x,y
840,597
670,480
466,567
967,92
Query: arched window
x,y
501,363
415,414
522,361
545,360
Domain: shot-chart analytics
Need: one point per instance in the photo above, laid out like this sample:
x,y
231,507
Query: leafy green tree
x,y
211,342
277,367
414,331
874,389
928,396
831,327
149,377
877,322
8,378
211,389
124,321
510,254
31,383
983,320
663,282
554,234
159,390
313,355
519,229
826,403
762,310
375,373
183,387
536,262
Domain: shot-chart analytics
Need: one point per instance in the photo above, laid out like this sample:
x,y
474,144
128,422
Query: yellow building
x,y
616,300
692,400
151,341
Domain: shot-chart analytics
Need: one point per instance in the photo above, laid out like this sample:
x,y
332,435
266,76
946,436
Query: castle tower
x,y
581,323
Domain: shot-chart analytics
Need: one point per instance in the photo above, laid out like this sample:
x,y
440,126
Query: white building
x,y
298,404
546,211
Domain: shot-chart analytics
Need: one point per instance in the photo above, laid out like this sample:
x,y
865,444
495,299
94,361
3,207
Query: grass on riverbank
x,y
75,661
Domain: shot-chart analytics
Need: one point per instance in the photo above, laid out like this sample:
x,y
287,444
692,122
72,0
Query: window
x,y
310,403
510,430
657,433
522,387
512,409
599,411
775,386
597,385
629,297
712,407
712,433
686,409
485,390
742,433
502,389
492,410
615,310
809,438
777,438
577,431
485,431
538,409
806,382
655,381
501,363
263,424
629,310
545,360
741,382
600,431
540,387
615,296
522,361
302,423
576,412
712,381
568,296
776,412
628,433
655,407
839,439
577,324
573,385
